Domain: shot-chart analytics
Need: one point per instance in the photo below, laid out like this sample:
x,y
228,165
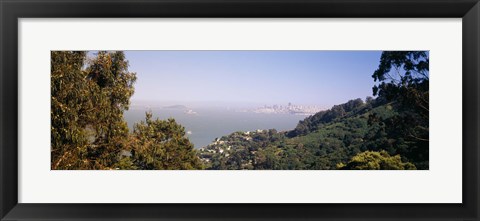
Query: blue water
x,y
205,125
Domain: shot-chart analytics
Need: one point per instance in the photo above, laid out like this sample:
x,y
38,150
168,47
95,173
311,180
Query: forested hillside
x,y
326,140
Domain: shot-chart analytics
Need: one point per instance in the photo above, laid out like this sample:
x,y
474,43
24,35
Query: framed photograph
x,y
239,110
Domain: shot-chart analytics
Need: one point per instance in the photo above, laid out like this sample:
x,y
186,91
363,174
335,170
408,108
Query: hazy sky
x,y
265,77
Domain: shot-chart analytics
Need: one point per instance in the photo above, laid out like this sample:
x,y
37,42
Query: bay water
x,y
203,126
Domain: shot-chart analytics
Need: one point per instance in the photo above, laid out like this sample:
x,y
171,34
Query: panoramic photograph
x,y
239,110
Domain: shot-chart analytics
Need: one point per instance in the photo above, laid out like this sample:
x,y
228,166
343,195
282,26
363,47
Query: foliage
x,y
403,78
88,131
401,69
315,121
371,160
87,108
69,99
162,145
111,86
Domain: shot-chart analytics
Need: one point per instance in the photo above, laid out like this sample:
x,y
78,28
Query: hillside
x,y
333,139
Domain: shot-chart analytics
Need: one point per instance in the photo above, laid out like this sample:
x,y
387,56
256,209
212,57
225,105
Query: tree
x,y
312,123
110,88
87,104
69,98
403,77
403,80
162,145
369,100
401,69
88,129
371,160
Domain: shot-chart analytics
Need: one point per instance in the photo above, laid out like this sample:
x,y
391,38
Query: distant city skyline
x,y
323,78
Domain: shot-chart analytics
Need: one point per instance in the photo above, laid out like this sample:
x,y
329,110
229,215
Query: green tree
x,y
401,70
162,145
68,99
88,128
87,104
267,159
110,87
403,80
371,160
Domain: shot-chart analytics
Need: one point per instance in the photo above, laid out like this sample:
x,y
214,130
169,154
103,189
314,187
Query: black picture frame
x,y
12,10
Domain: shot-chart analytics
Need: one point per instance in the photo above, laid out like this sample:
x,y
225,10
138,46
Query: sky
x,y
322,78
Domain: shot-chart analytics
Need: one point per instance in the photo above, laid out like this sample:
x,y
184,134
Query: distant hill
x,y
327,140
176,107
